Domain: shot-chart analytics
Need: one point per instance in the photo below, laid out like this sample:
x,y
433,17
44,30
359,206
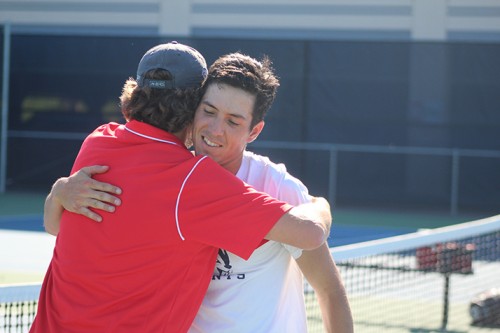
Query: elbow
x,y
51,231
50,228
315,238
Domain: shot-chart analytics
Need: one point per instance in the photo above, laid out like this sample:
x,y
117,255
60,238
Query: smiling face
x,y
221,127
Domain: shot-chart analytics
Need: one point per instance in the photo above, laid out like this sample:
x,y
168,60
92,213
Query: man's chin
x,y
205,153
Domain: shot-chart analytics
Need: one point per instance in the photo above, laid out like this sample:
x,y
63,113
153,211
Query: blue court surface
x,y
341,234
22,223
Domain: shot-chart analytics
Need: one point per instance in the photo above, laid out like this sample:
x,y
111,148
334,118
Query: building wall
x,y
408,20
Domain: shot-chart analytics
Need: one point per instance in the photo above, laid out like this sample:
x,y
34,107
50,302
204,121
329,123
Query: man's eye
x,y
233,123
209,112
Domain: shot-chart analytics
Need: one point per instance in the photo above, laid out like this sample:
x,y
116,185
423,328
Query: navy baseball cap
x,y
186,65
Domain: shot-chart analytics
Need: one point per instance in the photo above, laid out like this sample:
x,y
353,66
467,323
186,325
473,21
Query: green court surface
x,y
418,219
19,203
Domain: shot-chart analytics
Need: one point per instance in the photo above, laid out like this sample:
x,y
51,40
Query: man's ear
x,y
256,131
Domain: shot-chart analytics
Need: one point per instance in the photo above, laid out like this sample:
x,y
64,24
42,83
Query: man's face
x,y
221,127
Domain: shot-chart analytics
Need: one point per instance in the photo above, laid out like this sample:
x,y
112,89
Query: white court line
x,y
25,251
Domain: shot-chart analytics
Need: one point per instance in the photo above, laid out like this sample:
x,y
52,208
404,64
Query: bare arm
x,y
78,193
323,275
305,226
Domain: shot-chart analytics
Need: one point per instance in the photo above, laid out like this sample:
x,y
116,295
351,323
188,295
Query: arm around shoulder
x,y
306,226
78,193
71,194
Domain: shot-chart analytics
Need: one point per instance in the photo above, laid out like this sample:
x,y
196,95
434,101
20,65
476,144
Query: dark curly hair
x,y
169,109
243,72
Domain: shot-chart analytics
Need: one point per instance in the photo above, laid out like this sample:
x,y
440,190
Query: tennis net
x,y
18,305
445,279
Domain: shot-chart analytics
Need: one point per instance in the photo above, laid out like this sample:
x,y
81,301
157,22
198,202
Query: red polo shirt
x,y
147,266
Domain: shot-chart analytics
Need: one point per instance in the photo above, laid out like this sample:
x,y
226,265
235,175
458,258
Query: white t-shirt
x,y
266,292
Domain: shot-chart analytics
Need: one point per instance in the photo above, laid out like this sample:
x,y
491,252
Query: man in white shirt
x,y
265,293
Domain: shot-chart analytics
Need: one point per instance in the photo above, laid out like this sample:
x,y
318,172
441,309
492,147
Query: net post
x,y
446,300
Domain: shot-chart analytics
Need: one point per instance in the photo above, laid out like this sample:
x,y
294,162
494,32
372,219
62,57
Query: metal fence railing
x,y
333,149
5,105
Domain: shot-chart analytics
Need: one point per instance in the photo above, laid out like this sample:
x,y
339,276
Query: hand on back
x,y
80,192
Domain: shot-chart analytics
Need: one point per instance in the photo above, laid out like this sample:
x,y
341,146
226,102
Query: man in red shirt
x,y
147,267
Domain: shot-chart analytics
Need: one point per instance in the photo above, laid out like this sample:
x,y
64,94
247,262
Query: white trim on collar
x,y
151,137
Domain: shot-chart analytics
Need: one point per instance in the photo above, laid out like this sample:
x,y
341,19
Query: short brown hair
x,y
243,72
169,109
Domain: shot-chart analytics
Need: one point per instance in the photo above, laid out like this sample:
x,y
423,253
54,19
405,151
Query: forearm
x,y
335,310
324,277
53,210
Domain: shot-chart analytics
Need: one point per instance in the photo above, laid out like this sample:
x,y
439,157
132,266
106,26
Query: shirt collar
x,y
153,133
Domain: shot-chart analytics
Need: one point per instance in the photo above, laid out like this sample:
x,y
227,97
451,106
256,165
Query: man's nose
x,y
217,127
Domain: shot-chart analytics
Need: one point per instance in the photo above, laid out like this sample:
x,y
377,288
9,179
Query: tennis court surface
x,y
424,281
